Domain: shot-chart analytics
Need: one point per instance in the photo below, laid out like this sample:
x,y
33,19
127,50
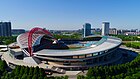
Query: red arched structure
x,y
35,32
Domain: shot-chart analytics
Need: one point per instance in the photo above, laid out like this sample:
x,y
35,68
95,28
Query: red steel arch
x,y
32,34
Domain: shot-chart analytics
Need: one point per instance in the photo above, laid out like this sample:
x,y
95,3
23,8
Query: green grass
x,y
133,44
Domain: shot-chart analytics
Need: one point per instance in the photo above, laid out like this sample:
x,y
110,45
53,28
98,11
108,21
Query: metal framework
x,y
34,33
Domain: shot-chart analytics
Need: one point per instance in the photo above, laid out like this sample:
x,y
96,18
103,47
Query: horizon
x,y
70,15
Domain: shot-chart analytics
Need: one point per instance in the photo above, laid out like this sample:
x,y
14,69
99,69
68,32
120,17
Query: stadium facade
x,y
40,45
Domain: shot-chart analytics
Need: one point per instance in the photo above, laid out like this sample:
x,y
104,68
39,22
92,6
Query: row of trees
x,y
127,38
24,72
3,67
7,40
135,45
73,36
120,71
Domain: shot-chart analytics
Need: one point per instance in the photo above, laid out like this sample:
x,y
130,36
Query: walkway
x,y
129,48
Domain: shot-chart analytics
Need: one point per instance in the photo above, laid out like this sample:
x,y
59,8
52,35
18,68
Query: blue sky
x,y
70,14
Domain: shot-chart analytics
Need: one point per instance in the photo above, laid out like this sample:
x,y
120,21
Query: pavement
x,y
71,74
1,53
129,48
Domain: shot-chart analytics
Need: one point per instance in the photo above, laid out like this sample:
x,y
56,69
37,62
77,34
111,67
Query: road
x,y
128,48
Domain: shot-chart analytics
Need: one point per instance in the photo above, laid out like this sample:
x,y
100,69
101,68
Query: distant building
x,y
128,32
64,31
134,30
132,33
86,29
5,29
96,31
105,28
122,32
93,31
17,31
113,31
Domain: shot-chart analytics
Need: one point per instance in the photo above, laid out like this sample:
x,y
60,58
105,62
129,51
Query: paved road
x,y
128,48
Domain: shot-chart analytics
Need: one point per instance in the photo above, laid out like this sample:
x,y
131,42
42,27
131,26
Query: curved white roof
x,y
22,40
109,43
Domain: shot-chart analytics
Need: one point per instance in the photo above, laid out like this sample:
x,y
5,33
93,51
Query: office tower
x,y
86,29
105,28
5,28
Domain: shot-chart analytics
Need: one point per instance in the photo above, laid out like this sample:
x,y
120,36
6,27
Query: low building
x,y
113,31
17,31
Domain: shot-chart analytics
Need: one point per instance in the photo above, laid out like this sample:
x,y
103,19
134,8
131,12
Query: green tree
x,y
34,77
26,71
29,77
36,70
90,72
24,76
3,66
31,71
21,70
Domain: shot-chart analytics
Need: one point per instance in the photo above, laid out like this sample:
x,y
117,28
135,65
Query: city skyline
x,y
70,15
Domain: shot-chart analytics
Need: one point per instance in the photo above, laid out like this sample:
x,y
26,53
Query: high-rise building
x,y
5,28
105,28
86,29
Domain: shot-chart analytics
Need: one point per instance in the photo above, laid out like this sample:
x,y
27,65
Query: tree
x,y
90,72
26,71
34,77
21,71
16,70
31,71
40,77
29,77
98,77
42,72
66,77
24,76
3,66
36,70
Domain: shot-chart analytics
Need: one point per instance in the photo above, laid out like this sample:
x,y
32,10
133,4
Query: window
x,y
89,55
82,56
101,52
94,54
75,56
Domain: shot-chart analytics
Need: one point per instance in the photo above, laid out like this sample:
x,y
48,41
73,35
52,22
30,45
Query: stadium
x,y
38,47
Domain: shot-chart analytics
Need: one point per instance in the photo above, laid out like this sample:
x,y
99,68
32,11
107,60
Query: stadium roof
x,y
109,43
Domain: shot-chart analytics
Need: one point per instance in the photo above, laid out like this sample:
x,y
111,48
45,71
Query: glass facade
x,y
86,29
5,29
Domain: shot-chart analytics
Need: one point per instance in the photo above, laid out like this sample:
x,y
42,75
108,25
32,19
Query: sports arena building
x,y
39,46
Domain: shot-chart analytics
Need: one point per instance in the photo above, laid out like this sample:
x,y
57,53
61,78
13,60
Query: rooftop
x,y
109,43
